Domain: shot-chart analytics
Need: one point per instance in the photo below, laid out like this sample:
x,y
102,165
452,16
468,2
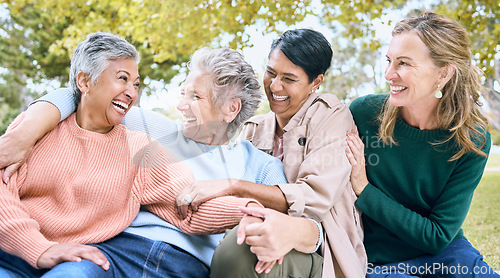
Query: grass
x,y
482,225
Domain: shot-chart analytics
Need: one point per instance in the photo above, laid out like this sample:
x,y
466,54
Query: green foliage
x,y
165,32
38,37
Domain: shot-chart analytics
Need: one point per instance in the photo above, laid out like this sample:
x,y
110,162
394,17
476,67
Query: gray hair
x,y
232,77
92,56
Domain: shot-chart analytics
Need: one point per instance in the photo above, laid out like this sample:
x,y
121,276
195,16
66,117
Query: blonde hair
x,y
458,110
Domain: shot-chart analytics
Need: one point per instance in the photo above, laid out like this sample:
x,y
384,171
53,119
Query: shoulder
x,y
260,119
136,139
367,107
259,130
368,102
327,111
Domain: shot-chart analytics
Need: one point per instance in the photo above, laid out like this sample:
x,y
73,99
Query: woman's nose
x,y
276,84
390,73
182,104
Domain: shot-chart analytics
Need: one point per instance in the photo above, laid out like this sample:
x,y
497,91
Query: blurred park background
x,y
38,37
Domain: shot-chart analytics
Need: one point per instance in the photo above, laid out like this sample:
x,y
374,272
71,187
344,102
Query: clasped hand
x,y
14,150
201,191
266,232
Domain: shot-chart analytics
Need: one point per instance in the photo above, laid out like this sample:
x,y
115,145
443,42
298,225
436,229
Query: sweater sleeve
x,y
20,234
272,173
164,177
429,233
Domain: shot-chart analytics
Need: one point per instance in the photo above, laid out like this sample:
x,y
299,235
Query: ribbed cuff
x,y
320,238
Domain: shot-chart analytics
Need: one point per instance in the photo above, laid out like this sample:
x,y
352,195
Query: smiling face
x,y
104,103
411,73
202,122
287,86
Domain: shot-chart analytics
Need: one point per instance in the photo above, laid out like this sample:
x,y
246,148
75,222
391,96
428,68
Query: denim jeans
x,y
129,256
459,259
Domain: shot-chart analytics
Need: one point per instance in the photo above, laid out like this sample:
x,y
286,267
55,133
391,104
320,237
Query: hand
x,y
200,192
14,150
356,156
72,252
261,266
271,239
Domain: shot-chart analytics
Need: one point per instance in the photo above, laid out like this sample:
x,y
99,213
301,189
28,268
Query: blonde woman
x,y
425,146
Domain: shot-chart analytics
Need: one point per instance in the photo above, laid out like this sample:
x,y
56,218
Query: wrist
x,y
358,189
237,188
309,237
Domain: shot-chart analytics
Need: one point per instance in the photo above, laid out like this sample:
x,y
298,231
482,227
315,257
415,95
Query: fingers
x,y
9,171
72,252
196,202
263,254
254,211
355,150
183,200
97,257
241,233
264,266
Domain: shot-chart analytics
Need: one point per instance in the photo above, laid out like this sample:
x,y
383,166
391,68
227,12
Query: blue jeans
x,y
129,256
459,259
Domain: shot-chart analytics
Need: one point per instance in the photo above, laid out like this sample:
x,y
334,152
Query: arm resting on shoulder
x,y
16,144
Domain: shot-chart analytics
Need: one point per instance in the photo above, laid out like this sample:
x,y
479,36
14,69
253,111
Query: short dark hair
x,y
307,49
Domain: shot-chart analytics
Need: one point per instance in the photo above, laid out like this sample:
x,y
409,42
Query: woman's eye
x,y
289,80
270,73
137,84
123,77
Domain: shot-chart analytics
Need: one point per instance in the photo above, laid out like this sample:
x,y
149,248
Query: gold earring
x,y
438,93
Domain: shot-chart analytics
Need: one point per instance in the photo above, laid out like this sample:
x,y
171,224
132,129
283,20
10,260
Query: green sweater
x,y
416,200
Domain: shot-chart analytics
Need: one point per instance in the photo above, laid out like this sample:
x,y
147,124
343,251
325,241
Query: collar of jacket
x,y
266,124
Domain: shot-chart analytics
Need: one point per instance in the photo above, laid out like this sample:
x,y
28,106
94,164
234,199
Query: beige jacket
x,y
319,171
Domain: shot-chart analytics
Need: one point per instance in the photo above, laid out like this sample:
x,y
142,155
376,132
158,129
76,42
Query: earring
x,y
438,93
227,121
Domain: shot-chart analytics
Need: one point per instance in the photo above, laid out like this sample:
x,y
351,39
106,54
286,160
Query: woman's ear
x,y
83,82
317,81
233,108
446,74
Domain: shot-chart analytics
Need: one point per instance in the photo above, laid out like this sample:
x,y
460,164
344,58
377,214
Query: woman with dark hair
x,y
306,130
432,146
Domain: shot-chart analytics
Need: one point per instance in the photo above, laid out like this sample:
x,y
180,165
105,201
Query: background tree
x,y
38,36
480,17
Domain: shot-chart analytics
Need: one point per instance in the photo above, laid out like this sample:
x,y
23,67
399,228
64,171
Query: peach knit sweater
x,y
85,187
